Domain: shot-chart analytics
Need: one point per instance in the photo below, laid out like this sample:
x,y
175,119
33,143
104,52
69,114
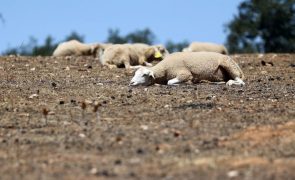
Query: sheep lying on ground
x,y
74,47
208,47
131,55
195,66
156,52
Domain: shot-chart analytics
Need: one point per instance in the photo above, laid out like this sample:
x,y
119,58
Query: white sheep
x,y
195,66
131,55
74,47
208,47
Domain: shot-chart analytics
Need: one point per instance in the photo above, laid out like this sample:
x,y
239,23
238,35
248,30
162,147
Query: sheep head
x,y
95,50
157,52
143,76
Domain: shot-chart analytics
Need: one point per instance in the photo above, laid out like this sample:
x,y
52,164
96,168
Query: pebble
x,y
51,113
65,123
167,106
134,160
81,135
144,127
93,171
33,95
88,101
232,174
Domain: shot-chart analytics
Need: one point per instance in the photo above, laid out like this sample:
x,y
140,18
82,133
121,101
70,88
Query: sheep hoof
x,y
112,66
148,64
229,83
173,82
235,82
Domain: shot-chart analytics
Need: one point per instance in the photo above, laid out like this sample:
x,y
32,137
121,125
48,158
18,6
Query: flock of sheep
x,y
198,62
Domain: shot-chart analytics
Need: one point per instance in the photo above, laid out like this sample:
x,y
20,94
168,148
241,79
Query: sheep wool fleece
x,y
197,66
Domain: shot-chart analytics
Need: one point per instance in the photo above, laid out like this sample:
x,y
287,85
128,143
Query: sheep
x,y
208,47
195,66
132,55
156,52
74,47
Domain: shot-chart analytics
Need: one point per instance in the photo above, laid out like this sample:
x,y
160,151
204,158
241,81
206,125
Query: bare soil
x,y
71,118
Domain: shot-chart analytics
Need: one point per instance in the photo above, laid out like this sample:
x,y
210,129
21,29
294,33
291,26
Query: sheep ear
x,y
91,51
95,48
151,74
150,52
157,54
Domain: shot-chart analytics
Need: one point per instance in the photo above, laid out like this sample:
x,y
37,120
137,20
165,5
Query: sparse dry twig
x,y
45,114
83,107
95,110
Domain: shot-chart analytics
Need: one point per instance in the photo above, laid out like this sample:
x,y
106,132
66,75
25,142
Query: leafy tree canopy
x,y
139,36
263,26
176,47
46,49
74,36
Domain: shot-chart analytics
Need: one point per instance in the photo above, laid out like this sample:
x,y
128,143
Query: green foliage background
x,y
139,36
263,26
260,26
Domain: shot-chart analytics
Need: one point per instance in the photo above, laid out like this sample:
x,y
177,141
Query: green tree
x,y
115,37
176,47
46,49
263,26
32,49
74,36
139,36
22,49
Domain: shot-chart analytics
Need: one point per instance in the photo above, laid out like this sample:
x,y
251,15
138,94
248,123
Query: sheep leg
x,y
209,82
135,67
182,76
142,61
234,71
222,82
128,66
111,66
148,64
173,81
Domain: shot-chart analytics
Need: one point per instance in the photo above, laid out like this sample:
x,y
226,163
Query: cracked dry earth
x,y
71,118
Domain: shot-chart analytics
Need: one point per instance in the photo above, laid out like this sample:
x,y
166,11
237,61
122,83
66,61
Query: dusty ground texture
x,y
74,119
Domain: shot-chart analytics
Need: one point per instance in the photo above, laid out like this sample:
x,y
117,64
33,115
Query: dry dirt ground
x,y
70,118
